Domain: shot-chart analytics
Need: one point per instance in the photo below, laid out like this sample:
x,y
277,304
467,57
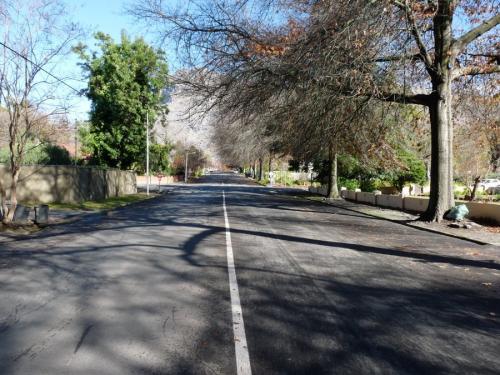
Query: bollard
x,y
21,214
42,214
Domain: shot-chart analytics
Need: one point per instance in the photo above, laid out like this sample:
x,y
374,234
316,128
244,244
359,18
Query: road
x,y
322,290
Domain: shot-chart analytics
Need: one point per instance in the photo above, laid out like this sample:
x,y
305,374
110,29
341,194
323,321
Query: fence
x,y
477,210
69,184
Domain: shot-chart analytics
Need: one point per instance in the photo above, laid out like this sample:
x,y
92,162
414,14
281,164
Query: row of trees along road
x,y
313,76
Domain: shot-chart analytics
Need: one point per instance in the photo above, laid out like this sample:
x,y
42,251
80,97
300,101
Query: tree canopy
x,y
315,68
126,81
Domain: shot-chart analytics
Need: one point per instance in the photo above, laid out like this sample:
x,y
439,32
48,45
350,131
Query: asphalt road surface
x,y
317,289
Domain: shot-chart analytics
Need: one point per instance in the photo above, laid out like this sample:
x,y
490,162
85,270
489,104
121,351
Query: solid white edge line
x,y
240,340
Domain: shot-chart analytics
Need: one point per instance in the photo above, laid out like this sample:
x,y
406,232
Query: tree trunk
x,y
474,189
270,163
333,190
9,215
260,169
441,195
3,197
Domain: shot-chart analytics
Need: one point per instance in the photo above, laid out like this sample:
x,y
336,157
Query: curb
x,y
478,242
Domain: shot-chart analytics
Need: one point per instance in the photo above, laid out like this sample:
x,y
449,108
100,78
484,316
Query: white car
x,y
488,183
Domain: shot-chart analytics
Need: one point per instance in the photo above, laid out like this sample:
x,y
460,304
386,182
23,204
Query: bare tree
x,y
403,51
34,36
477,124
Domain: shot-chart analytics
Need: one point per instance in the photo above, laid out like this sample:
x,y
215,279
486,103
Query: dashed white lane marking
x,y
240,339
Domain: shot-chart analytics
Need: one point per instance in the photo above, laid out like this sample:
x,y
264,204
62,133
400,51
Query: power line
x,y
39,67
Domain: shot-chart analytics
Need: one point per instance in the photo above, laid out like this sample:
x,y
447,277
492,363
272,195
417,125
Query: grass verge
x,y
102,205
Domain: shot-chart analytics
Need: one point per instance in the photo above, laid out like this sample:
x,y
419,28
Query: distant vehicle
x,y
236,171
488,183
493,190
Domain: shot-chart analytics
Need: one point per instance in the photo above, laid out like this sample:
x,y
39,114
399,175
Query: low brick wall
x,y
365,197
390,201
322,190
313,190
477,210
484,211
416,204
351,195
69,184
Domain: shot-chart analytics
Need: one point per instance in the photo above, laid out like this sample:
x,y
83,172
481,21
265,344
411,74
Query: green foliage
x,y
125,81
198,173
284,179
105,204
85,138
349,167
4,155
159,159
349,183
353,174
412,170
43,154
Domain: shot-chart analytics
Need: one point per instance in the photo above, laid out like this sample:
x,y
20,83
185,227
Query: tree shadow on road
x,y
296,322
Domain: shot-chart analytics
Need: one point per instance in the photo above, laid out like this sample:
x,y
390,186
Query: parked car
x,y
488,183
493,190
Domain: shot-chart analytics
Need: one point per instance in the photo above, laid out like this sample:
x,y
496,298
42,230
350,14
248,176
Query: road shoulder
x,y
479,235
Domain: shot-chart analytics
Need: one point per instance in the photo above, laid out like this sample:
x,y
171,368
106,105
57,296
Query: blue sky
x,y
98,15
102,15
93,15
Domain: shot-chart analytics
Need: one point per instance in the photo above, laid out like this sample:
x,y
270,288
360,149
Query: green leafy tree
x,y
160,159
41,154
125,83
411,170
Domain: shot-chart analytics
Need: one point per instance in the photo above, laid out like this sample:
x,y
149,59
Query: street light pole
x,y
186,168
76,141
147,153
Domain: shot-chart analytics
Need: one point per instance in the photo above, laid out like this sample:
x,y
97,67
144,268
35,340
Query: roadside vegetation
x,y
103,205
365,94
385,82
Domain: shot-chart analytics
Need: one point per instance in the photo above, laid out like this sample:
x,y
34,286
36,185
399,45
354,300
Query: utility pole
x,y
186,168
147,153
76,141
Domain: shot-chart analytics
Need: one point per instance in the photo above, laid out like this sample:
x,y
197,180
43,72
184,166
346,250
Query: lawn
x,y
101,205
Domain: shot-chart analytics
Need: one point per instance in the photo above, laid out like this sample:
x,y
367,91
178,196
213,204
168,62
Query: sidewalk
x,y
479,234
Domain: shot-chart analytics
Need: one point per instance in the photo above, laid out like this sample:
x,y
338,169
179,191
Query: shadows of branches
x,y
145,290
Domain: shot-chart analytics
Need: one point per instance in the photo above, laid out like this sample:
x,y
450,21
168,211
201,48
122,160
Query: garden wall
x,y
477,210
69,184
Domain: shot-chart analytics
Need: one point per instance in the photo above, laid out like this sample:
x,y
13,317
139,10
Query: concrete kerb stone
x,y
478,210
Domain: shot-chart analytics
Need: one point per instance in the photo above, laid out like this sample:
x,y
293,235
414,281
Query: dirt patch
x,y
15,228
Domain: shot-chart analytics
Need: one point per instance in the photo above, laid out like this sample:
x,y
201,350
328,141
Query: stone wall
x,y
69,184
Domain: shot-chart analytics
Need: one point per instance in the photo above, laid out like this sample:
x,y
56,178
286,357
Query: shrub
x,y
348,183
43,154
413,170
